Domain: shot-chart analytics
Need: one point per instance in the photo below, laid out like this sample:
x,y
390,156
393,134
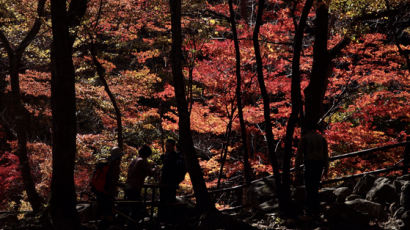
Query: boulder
x,y
405,196
405,217
84,211
393,208
399,212
383,191
341,217
364,185
352,197
405,177
371,209
394,224
341,193
327,195
269,206
261,191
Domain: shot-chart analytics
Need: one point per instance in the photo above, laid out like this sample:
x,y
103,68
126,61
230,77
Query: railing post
x,y
406,157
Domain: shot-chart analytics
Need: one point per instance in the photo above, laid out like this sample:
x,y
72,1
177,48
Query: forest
x,y
235,83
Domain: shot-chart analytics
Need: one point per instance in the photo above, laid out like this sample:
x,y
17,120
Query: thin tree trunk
x,y
20,113
225,147
63,198
296,98
266,100
246,165
203,200
101,75
22,121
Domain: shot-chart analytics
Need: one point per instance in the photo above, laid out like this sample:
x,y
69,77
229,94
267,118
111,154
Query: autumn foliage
x,y
366,102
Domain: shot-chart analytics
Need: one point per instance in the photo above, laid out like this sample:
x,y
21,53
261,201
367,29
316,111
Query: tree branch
x,y
6,43
338,47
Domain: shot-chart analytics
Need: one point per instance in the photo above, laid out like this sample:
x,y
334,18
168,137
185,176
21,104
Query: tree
x,y
19,111
266,105
238,92
63,198
185,137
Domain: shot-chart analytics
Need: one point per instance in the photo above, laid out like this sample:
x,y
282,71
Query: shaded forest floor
x,y
368,203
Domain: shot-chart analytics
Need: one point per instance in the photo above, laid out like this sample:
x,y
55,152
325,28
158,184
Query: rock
x,y
393,208
382,191
405,217
341,216
268,206
84,211
327,195
394,224
364,185
405,177
341,193
352,197
261,191
399,212
372,209
405,196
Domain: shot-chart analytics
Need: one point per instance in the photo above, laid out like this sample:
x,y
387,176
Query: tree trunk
x,y
20,113
238,92
315,91
101,75
224,152
63,198
296,98
266,101
185,137
22,122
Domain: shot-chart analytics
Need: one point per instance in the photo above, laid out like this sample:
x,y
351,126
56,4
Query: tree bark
x,y
225,147
315,91
20,113
204,202
238,92
296,98
63,198
266,101
101,75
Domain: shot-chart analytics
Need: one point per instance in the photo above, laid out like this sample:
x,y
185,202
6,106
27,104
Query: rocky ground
x,y
369,203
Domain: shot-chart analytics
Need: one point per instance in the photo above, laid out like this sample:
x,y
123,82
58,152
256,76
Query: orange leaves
x,y
144,55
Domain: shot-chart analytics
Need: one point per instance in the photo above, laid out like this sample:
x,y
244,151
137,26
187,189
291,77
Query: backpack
x,y
180,169
99,178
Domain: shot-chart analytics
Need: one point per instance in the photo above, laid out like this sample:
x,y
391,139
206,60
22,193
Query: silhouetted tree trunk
x,y
101,75
19,111
224,152
63,198
315,91
296,98
185,137
266,101
238,92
